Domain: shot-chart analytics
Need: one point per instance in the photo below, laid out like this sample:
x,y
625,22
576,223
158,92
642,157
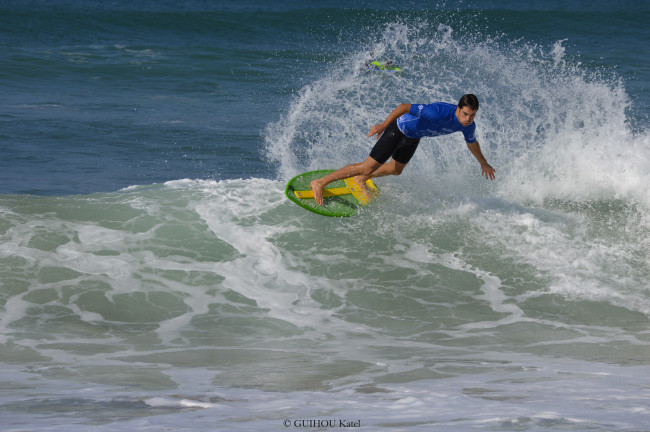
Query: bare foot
x,y
317,188
361,181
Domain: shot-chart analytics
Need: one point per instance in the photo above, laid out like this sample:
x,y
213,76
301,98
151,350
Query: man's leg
x,y
391,143
389,168
365,168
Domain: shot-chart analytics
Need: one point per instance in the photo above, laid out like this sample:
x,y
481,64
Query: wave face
x,y
222,297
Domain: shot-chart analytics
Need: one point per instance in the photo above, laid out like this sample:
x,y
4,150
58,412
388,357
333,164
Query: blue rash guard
x,y
432,120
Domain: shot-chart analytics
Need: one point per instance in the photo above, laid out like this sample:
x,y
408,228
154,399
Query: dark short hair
x,y
468,100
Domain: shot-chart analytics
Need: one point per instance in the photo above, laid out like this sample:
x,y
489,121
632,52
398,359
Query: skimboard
x,y
382,66
342,198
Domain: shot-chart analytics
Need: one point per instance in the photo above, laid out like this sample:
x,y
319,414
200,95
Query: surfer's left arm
x,y
486,169
379,128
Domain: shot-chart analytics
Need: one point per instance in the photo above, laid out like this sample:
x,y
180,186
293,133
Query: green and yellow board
x,y
382,66
341,198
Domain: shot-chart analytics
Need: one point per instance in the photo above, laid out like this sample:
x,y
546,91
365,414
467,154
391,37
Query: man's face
x,y
465,115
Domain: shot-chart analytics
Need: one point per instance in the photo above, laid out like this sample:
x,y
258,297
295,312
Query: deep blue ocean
x,y
154,277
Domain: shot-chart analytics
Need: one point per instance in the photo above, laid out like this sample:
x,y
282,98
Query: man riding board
x,y
399,135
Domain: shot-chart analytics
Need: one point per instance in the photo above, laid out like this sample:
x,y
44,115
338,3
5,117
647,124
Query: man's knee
x,y
398,168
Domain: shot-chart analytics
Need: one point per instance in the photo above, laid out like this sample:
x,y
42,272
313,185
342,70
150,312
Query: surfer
x,y
399,135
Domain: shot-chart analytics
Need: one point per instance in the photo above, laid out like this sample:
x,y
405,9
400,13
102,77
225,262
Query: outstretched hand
x,y
488,171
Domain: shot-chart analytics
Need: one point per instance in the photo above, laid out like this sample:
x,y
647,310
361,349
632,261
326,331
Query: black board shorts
x,y
394,143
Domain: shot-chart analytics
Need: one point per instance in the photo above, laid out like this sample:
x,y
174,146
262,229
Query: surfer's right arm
x,y
394,115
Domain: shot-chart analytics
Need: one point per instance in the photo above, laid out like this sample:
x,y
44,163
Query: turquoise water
x,y
153,275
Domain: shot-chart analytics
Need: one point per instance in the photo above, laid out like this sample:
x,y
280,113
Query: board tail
x,y
363,196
